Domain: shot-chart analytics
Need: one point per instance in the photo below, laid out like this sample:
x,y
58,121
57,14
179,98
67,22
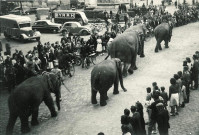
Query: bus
x,y
62,16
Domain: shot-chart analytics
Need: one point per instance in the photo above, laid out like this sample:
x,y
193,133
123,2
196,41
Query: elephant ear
x,y
47,75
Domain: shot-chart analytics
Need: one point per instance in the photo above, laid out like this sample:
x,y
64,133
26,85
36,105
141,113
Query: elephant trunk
x,y
121,80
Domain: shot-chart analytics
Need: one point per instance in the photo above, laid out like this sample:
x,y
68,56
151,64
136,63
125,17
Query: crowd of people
x,y
44,57
158,101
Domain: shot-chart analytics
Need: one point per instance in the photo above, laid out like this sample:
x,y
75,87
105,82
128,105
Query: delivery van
x,y
18,27
62,16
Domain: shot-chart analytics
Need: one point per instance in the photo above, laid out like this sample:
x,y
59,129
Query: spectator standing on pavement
x,y
174,97
117,17
195,72
176,4
148,103
139,108
162,119
165,97
187,79
152,123
126,126
182,94
99,45
8,49
136,121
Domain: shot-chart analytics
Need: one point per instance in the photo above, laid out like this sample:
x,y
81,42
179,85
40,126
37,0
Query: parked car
x,y
32,10
75,28
46,26
19,11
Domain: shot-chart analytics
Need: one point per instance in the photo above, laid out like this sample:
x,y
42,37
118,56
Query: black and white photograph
x,y
99,67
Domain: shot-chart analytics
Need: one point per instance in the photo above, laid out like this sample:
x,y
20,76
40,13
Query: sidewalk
x,y
187,122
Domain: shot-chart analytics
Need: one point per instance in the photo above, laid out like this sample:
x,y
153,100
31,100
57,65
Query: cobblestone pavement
x,y
187,122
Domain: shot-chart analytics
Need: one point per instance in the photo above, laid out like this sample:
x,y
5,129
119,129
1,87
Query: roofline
x,y
15,17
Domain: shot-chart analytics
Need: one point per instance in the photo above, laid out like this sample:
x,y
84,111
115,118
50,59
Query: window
x,y
73,25
24,25
67,25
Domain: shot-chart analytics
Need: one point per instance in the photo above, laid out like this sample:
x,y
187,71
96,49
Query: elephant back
x,y
123,46
103,72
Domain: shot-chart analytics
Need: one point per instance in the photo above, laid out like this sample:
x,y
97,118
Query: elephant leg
x,y
93,96
106,97
160,48
11,123
34,120
166,43
125,69
103,98
157,45
116,83
24,123
133,64
142,50
49,103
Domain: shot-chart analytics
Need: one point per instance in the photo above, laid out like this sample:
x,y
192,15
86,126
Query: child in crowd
x,y
99,45
165,97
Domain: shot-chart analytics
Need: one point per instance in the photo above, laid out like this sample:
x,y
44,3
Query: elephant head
x,y
119,69
54,85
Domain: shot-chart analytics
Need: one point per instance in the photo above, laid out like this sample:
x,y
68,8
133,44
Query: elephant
x,y
103,76
126,46
142,30
163,32
27,96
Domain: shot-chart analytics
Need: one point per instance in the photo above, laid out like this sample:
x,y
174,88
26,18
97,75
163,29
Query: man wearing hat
x,y
162,119
195,71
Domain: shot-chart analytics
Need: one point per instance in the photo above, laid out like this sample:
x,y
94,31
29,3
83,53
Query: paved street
x,y
79,117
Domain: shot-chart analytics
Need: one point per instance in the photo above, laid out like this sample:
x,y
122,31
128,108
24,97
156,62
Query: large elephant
x,y
162,32
103,76
27,96
126,46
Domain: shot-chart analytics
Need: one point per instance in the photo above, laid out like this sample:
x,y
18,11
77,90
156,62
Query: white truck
x,y
18,27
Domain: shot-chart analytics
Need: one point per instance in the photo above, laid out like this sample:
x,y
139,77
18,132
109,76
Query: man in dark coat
x,y
136,121
154,111
195,71
162,119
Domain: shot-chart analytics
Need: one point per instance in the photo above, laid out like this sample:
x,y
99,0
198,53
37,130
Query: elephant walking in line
x,y
163,32
127,45
103,76
27,96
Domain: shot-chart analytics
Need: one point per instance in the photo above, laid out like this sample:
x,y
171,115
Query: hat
x,y
159,105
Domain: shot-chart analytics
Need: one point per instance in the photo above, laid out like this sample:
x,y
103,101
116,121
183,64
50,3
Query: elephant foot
x,y
25,130
142,55
54,114
130,71
160,48
103,103
124,90
115,92
166,46
124,75
135,68
94,102
156,50
34,122
107,98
